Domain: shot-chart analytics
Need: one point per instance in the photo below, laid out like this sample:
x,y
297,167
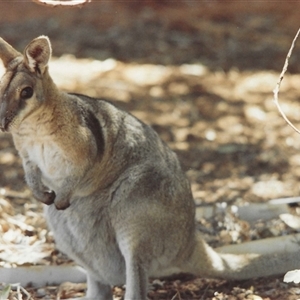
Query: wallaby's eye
x,y
27,92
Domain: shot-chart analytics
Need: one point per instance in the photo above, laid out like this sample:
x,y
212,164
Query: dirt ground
x,y
202,74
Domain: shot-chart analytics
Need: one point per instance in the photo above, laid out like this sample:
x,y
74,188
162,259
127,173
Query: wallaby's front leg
x,y
61,197
33,176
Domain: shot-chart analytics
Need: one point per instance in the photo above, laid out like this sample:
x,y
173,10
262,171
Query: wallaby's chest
x,y
45,154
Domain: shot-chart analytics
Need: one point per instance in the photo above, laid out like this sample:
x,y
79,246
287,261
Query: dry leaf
x,y
292,276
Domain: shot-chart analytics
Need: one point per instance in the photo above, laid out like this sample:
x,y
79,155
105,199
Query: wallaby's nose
x,y
3,118
3,125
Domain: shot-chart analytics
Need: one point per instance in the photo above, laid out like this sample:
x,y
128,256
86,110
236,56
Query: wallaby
x,y
117,199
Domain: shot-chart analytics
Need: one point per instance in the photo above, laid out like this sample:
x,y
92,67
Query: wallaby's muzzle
x,y
9,108
8,55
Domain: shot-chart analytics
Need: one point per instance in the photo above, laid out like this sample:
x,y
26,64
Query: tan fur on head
x,y
24,85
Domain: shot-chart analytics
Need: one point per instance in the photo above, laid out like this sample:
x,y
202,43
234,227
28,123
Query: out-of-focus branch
x,y
53,3
277,88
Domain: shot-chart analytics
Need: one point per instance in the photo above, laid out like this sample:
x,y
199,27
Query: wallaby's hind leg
x,y
136,271
97,290
136,280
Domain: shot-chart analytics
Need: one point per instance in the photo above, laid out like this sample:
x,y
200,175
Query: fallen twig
x,y
251,212
282,244
42,275
54,3
21,290
277,88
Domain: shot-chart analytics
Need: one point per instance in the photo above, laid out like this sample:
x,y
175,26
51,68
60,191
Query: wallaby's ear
x,y
37,54
7,53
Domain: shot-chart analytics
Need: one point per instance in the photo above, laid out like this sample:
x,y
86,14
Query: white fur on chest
x,y
49,158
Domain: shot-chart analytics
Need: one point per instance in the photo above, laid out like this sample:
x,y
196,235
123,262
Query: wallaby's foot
x,y
97,290
80,298
86,298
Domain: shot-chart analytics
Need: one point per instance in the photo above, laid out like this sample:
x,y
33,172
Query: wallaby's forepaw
x,y
46,197
61,204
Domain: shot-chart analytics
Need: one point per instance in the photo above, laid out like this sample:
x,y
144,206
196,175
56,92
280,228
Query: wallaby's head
x,y
24,84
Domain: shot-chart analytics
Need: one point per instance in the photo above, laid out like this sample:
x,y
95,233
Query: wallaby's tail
x,y
206,262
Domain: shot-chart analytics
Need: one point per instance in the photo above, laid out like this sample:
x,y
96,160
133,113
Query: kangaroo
x,y
116,197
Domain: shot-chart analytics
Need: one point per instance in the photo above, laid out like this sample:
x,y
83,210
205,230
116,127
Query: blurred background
x,y
220,34
202,74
